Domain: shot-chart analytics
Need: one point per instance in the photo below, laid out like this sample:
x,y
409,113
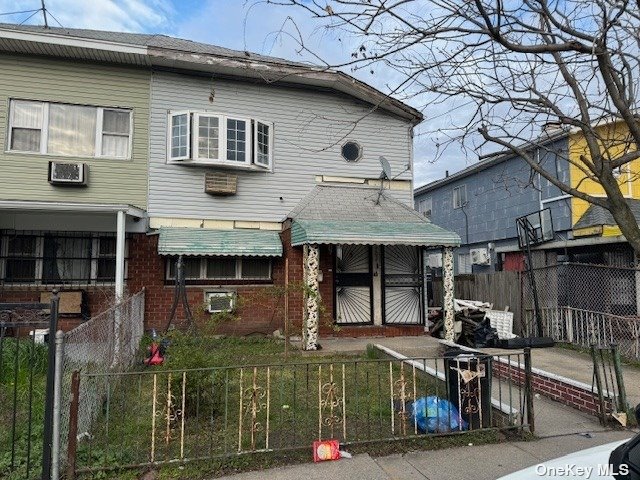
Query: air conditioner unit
x,y
480,256
220,301
68,173
434,260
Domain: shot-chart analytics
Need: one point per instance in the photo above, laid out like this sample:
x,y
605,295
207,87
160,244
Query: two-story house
x,y
262,175
482,202
74,116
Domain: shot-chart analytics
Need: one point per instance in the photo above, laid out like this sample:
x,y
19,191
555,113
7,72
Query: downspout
x,y
466,224
539,179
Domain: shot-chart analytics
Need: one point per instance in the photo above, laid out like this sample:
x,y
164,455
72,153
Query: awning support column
x,y
311,262
448,288
120,239
120,247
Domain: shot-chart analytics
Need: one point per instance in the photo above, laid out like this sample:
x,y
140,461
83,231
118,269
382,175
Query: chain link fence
x,y
107,343
585,304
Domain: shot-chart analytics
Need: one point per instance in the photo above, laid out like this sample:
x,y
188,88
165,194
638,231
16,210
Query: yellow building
x,y
592,220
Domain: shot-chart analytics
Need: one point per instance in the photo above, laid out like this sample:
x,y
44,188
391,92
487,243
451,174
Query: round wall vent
x,y
351,151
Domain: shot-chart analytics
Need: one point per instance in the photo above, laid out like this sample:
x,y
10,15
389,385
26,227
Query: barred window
x,y
57,258
222,268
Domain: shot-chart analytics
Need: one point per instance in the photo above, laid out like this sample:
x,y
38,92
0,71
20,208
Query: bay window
x,y
69,130
213,139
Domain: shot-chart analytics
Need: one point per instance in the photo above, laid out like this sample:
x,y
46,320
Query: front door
x,y
403,285
353,285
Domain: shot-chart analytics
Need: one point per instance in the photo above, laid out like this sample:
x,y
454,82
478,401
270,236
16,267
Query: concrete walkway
x,y
561,429
482,462
562,362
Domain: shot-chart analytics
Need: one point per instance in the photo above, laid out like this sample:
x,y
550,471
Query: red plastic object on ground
x,y
326,450
155,356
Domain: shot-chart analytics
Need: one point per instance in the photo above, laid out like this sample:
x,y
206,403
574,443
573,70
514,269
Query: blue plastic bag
x,y
437,415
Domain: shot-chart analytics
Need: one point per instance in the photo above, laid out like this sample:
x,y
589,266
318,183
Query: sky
x,y
244,25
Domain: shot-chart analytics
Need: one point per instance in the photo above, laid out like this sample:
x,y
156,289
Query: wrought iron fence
x,y
26,388
156,417
107,343
586,304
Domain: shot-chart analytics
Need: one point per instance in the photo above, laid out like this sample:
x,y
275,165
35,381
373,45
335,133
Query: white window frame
x,y
222,137
457,199
255,123
44,131
422,204
193,132
464,260
248,160
100,133
170,136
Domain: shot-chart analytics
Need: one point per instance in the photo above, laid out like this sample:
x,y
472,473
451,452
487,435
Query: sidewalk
x,y
483,462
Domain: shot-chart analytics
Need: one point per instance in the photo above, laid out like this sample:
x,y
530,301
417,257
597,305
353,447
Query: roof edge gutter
x,y
78,42
36,206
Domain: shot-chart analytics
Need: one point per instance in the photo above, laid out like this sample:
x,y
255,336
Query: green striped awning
x,y
201,241
371,233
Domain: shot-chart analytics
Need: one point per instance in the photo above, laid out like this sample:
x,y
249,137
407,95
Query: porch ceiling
x,y
333,214
202,241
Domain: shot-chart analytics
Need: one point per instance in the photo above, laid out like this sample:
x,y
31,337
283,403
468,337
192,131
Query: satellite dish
x,y
386,168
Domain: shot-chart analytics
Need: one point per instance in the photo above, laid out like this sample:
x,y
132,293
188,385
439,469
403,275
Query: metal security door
x,y
403,285
353,285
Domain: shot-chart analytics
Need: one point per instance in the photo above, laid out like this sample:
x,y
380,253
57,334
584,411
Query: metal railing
x,y
156,417
585,328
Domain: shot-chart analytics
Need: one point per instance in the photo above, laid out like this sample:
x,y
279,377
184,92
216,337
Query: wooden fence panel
x,y
502,289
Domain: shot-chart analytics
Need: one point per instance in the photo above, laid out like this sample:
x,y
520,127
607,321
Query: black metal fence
x,y
161,417
27,353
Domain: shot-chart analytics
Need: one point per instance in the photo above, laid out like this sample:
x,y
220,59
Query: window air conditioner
x,y
220,301
68,173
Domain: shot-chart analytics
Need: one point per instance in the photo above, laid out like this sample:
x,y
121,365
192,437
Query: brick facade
x,y
260,306
566,393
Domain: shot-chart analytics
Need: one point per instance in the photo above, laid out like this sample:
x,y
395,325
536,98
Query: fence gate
x,y
27,356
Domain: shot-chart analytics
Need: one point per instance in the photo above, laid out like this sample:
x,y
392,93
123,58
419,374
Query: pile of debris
x,y
476,324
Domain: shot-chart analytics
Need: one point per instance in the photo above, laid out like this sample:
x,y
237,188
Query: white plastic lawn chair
x,y
502,322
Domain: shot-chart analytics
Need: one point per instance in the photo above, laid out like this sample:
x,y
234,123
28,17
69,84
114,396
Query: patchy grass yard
x,y
216,398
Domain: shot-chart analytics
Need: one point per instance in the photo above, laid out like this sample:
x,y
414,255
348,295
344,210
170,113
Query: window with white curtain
x,y
214,139
72,130
26,126
69,130
116,130
57,258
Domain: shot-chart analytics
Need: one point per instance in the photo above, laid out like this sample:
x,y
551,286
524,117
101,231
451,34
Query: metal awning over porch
x,y
201,241
370,233
362,215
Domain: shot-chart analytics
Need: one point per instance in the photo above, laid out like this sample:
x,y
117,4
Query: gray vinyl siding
x,y
25,176
308,127
497,196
